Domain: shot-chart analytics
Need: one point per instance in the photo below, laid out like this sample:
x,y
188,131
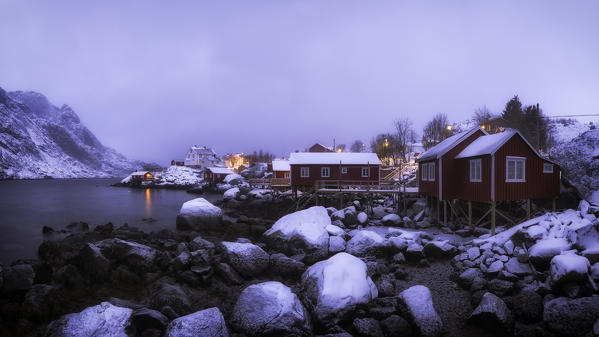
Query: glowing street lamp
x,y
448,127
339,150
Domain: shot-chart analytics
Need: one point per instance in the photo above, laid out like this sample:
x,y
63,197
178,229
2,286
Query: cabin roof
x,y
281,165
447,144
140,173
486,144
219,170
348,158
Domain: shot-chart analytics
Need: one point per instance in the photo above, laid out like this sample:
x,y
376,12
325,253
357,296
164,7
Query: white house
x,y
201,157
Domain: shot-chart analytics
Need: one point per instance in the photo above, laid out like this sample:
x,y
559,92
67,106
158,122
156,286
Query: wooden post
x,y
493,217
553,203
527,209
470,214
438,211
340,200
444,212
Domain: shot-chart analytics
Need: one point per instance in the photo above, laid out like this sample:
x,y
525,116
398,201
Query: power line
x,y
561,116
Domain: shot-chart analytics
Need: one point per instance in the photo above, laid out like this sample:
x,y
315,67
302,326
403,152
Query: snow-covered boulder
x,y
246,258
204,323
418,302
272,309
493,314
301,232
333,287
517,268
231,193
583,207
233,179
347,215
366,243
180,176
362,218
569,267
541,253
391,220
335,230
133,254
199,213
336,244
104,319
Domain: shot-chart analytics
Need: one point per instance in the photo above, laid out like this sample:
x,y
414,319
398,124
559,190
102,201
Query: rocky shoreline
x,y
313,272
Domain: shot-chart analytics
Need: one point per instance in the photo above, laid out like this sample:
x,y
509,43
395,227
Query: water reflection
x,y
148,204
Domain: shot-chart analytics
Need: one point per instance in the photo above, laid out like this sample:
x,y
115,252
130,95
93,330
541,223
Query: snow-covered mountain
x,y
39,140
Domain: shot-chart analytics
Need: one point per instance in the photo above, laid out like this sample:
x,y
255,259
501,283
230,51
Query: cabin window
x,y
515,170
424,172
344,170
547,168
365,172
431,171
286,175
304,172
475,170
325,172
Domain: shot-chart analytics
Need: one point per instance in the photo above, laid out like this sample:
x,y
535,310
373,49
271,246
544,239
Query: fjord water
x,y
28,205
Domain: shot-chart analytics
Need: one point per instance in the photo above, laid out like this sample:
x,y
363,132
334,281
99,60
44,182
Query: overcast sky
x,y
151,79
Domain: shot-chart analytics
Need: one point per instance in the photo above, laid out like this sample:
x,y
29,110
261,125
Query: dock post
x,y
493,217
438,211
470,214
553,203
340,200
527,209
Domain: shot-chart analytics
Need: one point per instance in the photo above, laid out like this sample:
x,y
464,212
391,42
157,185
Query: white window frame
x,y
431,171
344,170
516,160
304,172
326,170
367,171
286,175
476,171
424,171
547,168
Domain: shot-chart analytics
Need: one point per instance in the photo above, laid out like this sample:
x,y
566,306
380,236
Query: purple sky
x,y
152,79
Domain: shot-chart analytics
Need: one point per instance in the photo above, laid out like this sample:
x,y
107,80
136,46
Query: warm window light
x,y
482,126
338,150
448,128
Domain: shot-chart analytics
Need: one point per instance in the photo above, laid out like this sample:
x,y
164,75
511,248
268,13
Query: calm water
x,y
27,205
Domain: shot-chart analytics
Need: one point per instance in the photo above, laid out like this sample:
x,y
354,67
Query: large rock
x,y
280,264
517,268
571,317
335,286
135,255
93,263
270,309
172,296
231,193
569,268
418,303
391,220
301,232
541,253
439,249
527,306
18,278
493,314
467,277
204,323
144,319
336,244
248,259
367,327
199,214
365,243
104,319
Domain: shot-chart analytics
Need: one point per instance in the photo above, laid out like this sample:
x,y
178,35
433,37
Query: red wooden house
x,y
140,176
308,168
320,148
281,169
216,174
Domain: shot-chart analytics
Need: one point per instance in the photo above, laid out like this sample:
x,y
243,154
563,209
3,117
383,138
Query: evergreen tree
x,y
512,114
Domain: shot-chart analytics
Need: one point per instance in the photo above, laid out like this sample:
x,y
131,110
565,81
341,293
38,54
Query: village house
x,y
308,168
320,148
201,157
140,176
216,174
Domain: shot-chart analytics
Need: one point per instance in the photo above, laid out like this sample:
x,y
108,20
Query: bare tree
x,y
405,136
357,146
382,145
484,117
436,130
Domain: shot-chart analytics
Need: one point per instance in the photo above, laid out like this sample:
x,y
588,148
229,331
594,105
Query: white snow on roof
x,y
139,173
281,165
219,170
486,144
348,158
441,148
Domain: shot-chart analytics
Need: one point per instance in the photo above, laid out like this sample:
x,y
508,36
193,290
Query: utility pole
x,y
538,129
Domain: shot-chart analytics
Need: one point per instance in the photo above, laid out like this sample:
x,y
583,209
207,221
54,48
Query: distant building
x,y
140,176
320,148
357,167
236,161
201,157
177,163
216,174
281,169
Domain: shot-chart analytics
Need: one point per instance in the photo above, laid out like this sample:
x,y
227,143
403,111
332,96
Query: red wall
x,y
354,172
475,191
280,174
429,188
538,184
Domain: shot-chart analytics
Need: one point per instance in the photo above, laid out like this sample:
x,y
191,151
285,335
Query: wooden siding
x,y
354,172
281,174
537,185
475,191
451,185
425,187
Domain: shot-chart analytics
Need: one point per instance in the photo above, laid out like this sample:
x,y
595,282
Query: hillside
x,y
40,140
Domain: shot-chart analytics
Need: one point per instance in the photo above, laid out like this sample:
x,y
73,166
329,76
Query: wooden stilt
x,y
553,204
438,211
444,212
527,209
470,214
493,217
340,200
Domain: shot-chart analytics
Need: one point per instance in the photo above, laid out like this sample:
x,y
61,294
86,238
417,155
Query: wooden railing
x,y
353,184
270,182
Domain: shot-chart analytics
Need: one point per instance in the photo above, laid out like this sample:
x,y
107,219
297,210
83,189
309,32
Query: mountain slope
x,y
39,140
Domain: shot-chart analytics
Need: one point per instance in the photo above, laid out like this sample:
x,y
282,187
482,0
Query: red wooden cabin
x,y
281,169
320,148
142,176
436,166
307,168
504,166
216,174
